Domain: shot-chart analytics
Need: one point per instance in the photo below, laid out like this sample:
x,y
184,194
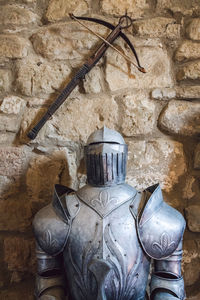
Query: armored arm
x,y
51,233
50,283
167,282
160,230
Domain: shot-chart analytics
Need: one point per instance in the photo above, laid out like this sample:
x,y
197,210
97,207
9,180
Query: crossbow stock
x,y
91,62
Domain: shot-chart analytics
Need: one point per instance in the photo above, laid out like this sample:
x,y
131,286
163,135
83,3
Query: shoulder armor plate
x,y
52,223
160,227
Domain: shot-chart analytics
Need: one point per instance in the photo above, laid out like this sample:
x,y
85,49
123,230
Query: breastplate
x,y
103,257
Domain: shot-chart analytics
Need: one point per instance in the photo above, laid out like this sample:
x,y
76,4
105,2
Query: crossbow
x,y
124,22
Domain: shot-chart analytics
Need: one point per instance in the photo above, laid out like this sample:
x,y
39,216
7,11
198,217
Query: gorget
x,y
105,200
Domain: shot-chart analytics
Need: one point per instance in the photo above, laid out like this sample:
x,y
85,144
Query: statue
x,y
97,243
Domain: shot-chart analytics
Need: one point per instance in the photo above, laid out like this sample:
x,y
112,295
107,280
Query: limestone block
x,y
5,80
9,123
66,40
42,174
157,27
16,15
178,6
7,138
139,113
119,74
181,117
16,215
195,297
192,216
13,165
197,157
12,105
188,50
189,71
188,190
75,119
13,46
193,29
18,293
188,92
19,254
135,8
59,9
94,81
35,76
191,272
8,186
163,94
153,161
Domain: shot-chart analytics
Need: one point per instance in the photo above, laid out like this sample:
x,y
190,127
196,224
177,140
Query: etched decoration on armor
x,y
165,244
104,200
83,278
124,286
48,242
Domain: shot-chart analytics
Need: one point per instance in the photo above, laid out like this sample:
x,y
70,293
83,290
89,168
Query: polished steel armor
x,y
97,243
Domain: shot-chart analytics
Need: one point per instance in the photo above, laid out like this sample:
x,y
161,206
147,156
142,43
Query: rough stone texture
x,y
5,80
36,77
39,184
12,105
196,297
191,272
188,92
189,71
12,161
157,27
155,161
139,116
190,262
94,81
16,15
193,220
15,215
188,192
19,254
193,29
188,50
22,292
163,94
58,9
184,7
135,7
13,164
197,157
7,138
9,123
181,117
66,40
12,46
75,119
154,59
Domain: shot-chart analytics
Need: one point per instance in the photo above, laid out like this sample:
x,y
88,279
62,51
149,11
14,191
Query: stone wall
x,y
158,113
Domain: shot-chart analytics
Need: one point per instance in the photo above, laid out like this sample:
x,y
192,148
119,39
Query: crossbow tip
x,y
71,15
141,69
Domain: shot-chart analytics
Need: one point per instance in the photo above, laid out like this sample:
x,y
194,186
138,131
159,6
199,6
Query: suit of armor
x,y
98,243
